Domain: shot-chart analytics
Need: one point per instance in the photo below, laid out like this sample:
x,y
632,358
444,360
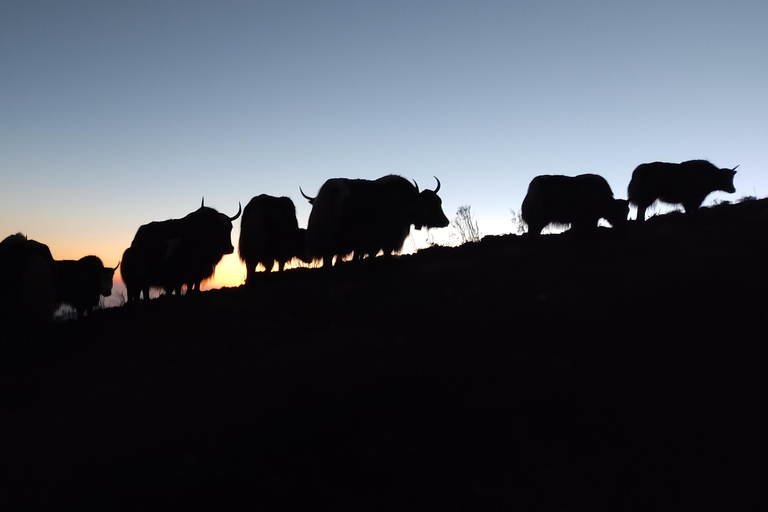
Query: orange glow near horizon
x,y
230,272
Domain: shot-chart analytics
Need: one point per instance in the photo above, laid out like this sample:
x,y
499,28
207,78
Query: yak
x,y
27,285
175,253
363,217
150,265
269,233
81,283
580,201
687,183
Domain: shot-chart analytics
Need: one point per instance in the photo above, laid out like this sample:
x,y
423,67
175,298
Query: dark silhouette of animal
x,y
150,266
81,283
27,285
580,201
269,233
363,217
175,253
687,183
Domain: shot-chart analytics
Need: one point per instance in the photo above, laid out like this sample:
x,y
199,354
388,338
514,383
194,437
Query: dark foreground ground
x,y
627,373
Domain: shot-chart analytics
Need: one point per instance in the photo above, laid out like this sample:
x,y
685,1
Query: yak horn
x,y
734,169
239,211
416,185
310,199
438,184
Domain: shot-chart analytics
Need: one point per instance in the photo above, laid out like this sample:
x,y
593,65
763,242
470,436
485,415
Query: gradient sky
x,y
117,113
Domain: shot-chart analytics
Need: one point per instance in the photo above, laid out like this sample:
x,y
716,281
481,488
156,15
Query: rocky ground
x,y
624,372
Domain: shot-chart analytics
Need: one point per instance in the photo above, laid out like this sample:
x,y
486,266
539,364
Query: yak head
x,y
429,209
214,229
106,277
97,269
725,182
618,213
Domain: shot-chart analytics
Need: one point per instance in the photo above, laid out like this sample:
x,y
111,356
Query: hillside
x,y
626,372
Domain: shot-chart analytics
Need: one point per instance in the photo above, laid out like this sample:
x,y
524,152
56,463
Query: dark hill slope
x,y
623,373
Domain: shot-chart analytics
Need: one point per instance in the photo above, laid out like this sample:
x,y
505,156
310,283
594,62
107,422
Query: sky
x,y
114,114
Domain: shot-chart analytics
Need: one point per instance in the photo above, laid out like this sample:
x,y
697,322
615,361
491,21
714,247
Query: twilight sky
x,y
114,114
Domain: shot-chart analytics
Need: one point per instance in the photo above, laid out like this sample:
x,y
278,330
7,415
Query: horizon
x,y
116,115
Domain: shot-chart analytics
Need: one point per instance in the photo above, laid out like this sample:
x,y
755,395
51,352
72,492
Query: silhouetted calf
x,y
580,201
81,283
687,183
269,232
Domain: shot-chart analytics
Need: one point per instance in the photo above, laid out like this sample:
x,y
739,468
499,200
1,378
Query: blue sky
x,y
115,113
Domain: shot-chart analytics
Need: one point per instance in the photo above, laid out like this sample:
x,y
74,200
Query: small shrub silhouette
x,y
467,228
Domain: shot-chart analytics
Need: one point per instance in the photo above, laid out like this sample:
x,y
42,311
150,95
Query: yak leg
x,y
250,271
327,261
641,212
535,229
691,207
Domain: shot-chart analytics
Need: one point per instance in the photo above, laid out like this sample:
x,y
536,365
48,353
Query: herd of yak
x,y
349,217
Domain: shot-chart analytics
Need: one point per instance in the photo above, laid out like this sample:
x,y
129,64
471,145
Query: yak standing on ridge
x,y
687,183
173,253
81,283
269,233
580,201
364,217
